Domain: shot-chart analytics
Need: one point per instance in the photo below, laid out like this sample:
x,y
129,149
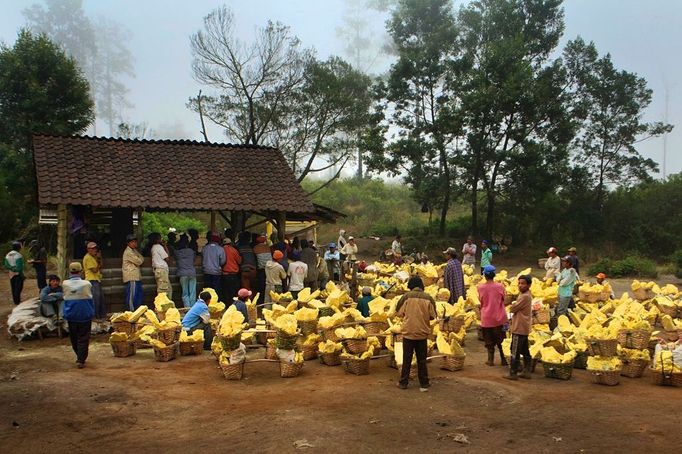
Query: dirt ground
x,y
136,404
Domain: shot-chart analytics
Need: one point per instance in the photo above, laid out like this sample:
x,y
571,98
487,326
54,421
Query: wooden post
x,y
62,239
281,224
212,220
138,230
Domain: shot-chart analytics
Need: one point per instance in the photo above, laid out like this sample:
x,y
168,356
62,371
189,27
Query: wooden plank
x,y
62,240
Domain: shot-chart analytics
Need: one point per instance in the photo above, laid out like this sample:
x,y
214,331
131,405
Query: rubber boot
x,y
503,361
491,356
527,366
512,375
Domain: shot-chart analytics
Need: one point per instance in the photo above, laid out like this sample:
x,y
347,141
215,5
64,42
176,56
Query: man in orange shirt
x,y
230,278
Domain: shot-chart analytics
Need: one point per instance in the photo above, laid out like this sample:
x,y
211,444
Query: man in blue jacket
x,y
79,309
198,317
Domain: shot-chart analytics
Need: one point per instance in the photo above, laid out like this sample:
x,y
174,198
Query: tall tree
x,y
417,98
42,90
98,47
612,102
514,95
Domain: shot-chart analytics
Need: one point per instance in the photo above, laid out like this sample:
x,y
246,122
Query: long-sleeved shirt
x,y
454,279
274,273
78,303
249,260
213,259
51,295
567,280
522,309
232,260
363,305
486,257
309,257
349,250
132,260
576,263
416,308
184,261
469,254
263,254
553,267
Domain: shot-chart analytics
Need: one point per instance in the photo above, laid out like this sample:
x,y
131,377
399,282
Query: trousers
x,y
79,333
17,284
133,294
98,299
411,347
163,284
519,346
189,290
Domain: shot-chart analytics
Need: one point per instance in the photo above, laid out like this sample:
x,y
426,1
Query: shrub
x,y
630,266
676,259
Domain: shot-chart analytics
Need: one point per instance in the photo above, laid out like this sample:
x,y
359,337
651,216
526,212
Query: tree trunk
x,y
474,196
446,188
359,173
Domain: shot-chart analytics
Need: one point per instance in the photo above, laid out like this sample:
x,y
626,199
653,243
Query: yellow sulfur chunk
x,y
231,323
329,347
162,303
197,336
173,316
151,316
118,337
351,333
287,323
311,339
443,345
550,355
603,363
157,343
306,314
665,362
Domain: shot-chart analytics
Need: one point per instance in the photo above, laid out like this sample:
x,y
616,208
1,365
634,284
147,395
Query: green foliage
x,y
373,207
42,91
677,262
161,222
630,266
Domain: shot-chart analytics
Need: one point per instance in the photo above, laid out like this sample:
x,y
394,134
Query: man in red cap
x,y
274,275
240,303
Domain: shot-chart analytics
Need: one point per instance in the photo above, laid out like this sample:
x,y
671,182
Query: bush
x,y
630,266
676,259
161,222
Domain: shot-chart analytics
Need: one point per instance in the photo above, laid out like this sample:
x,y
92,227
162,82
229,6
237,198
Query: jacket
x,y
309,257
132,260
522,309
232,260
78,304
263,254
417,309
274,273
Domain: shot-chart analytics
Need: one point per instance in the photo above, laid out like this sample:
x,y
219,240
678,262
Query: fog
x,y
642,37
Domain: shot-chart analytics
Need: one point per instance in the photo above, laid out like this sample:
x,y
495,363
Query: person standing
x,y
298,271
184,262
309,257
39,262
131,275
416,309
160,259
51,298
520,328
79,309
263,255
230,277
213,259
332,257
453,276
274,276
92,265
573,255
493,315
14,264
567,279
249,265
553,264
469,252
397,249
486,255
322,272
341,243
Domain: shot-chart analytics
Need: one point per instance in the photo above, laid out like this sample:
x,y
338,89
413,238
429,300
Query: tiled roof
x,y
165,174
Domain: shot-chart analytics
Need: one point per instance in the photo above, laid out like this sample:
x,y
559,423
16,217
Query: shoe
x,y
503,360
80,365
491,357
424,389
527,366
511,376
401,386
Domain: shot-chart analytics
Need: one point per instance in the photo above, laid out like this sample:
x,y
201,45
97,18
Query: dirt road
x,y
136,404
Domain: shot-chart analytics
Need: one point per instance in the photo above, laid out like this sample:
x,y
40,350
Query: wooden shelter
x,y
111,183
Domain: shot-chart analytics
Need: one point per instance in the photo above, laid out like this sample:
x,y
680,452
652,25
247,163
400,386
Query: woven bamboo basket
x,y
634,338
168,353
605,377
634,369
580,361
270,352
366,281
671,336
125,327
285,342
355,346
330,359
308,327
191,348
329,334
230,343
232,371
452,324
599,347
558,371
309,352
665,377
356,366
123,349
262,338
169,336
452,363
541,316
673,311
289,370
252,312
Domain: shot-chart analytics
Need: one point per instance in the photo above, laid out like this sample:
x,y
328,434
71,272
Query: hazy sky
x,y
642,36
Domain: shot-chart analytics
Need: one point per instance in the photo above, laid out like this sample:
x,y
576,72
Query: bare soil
x,y
137,404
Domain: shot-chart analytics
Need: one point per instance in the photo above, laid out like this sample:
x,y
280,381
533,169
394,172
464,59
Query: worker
x,y
79,310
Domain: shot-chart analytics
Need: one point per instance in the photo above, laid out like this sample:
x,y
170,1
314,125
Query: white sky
x,y
642,36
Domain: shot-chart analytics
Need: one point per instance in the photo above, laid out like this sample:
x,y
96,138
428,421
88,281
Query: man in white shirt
x,y
298,271
160,266
553,264
350,250
469,252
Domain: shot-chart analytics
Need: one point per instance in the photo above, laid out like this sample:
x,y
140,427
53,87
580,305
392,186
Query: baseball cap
x,y
75,267
450,250
488,269
131,237
332,245
601,276
92,245
227,241
277,255
244,293
552,249
351,238
572,249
